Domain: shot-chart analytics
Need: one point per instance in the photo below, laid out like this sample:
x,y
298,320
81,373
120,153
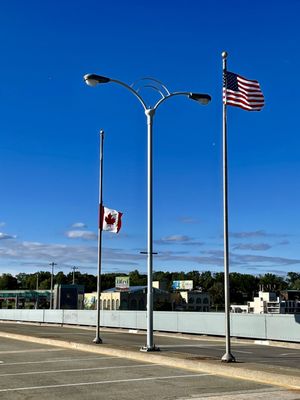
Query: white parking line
x,y
242,351
249,395
154,378
29,351
186,345
55,360
58,371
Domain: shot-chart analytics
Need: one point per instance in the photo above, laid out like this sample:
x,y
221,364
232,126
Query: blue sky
x,y
50,122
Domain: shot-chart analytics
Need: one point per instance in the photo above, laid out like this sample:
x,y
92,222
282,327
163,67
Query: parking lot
x,y
35,371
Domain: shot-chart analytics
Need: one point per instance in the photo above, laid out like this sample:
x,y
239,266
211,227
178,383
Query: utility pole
x,y
51,289
74,269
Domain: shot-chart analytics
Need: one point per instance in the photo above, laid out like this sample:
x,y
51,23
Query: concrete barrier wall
x,y
255,326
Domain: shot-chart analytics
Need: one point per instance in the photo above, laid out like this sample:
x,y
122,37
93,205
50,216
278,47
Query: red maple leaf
x,y
110,220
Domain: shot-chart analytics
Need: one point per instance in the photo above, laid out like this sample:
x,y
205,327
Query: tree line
x,y
243,287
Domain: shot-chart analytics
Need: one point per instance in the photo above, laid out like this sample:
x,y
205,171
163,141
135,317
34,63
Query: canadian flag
x,y
111,220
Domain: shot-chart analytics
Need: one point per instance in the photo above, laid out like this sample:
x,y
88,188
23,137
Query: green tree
x,y
206,280
195,277
60,278
135,279
293,280
217,295
8,282
272,282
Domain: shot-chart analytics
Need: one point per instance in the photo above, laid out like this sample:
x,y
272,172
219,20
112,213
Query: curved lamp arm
x,y
203,99
93,80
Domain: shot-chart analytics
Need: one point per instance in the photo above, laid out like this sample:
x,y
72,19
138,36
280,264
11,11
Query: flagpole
x,y
97,339
227,357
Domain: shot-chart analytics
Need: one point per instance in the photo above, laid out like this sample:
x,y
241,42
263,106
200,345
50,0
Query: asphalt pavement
x,y
276,364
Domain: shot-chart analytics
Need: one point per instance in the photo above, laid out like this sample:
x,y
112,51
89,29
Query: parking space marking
x,y
153,378
29,351
55,360
263,394
242,351
58,371
187,345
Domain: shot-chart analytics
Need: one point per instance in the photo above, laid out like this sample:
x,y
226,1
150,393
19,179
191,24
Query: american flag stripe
x,y
243,104
242,95
242,92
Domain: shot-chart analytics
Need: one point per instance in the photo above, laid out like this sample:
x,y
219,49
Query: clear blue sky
x,y
50,122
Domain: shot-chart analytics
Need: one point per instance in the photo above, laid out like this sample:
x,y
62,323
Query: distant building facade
x,y
68,297
30,299
269,303
193,300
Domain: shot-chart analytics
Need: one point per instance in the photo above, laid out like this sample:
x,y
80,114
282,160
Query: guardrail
x,y
285,327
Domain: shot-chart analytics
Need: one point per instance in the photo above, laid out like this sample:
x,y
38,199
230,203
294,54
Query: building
x,y
65,297
68,297
236,308
290,301
269,303
133,298
30,299
193,300
264,303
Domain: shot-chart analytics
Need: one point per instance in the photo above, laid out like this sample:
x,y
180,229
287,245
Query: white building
x,y
265,303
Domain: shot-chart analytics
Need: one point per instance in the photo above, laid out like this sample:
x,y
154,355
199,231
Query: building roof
x,y
132,289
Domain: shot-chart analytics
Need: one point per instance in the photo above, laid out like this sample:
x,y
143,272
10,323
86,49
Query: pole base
x,y
146,349
228,357
97,340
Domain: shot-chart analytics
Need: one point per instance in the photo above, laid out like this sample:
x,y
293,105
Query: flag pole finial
x,y
224,54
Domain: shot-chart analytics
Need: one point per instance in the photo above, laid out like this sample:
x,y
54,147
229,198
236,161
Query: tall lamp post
x,y
93,80
51,289
73,273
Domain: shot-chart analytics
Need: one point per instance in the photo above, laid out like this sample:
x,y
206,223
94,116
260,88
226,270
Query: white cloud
x,y
259,233
173,239
6,236
242,235
252,246
78,225
78,234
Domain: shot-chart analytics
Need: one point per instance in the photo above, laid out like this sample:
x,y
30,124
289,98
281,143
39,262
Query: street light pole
x,y
93,80
150,345
98,339
51,289
73,278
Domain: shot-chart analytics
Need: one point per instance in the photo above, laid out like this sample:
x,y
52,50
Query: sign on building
x,y
122,282
182,285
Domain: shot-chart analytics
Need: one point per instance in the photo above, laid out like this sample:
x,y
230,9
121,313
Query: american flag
x,y
242,92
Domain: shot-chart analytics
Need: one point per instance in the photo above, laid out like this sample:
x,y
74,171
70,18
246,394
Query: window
x,y
113,304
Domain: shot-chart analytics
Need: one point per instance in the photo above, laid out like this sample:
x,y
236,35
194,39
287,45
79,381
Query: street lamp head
x,y
201,98
93,79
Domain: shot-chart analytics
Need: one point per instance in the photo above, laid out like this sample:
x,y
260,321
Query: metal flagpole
x,y
97,338
227,357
